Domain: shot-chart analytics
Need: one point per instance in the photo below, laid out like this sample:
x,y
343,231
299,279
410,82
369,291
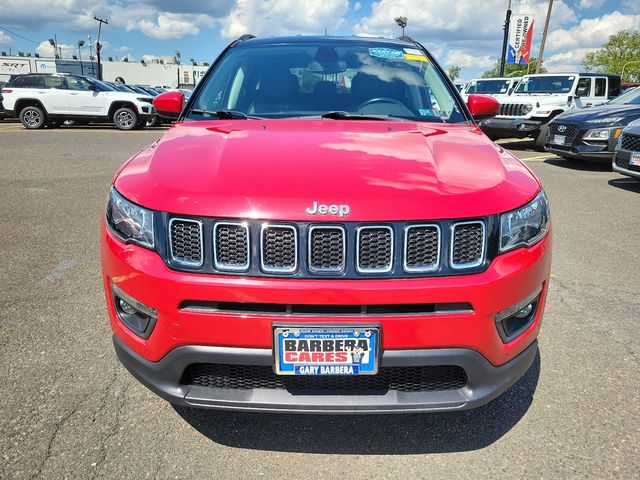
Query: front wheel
x,y
125,118
541,139
153,122
32,117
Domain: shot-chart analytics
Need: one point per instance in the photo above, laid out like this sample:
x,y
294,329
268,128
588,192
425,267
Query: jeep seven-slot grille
x,y
401,379
468,244
568,130
331,250
630,142
326,248
513,109
186,242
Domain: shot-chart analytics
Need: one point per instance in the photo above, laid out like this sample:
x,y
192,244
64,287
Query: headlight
x,y
526,225
527,108
145,99
597,134
129,221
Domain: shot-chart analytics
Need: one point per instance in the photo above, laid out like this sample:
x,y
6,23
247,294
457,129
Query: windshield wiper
x,y
339,115
223,114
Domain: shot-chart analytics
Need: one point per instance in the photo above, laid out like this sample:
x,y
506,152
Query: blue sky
x,y
465,32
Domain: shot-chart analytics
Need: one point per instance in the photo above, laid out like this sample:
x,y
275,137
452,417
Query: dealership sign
x,y
11,67
520,35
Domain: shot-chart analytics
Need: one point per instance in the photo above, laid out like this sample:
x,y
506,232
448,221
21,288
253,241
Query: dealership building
x,y
165,72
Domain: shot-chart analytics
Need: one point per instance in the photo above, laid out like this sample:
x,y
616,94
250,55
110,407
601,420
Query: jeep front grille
x,y
513,109
630,142
329,250
185,242
468,244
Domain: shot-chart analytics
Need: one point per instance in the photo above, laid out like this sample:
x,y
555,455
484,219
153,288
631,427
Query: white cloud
x,y
591,3
276,17
174,25
567,61
5,39
592,32
45,49
467,60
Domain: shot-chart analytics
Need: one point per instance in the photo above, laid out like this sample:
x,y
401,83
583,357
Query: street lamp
x,y
402,22
625,66
80,44
53,43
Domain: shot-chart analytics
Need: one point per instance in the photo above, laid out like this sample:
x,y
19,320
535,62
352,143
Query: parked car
x,y
291,246
50,99
2,112
496,87
628,86
627,157
592,133
539,98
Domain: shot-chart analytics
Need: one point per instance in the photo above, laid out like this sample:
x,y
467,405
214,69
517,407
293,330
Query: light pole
x,y
505,40
625,66
98,46
80,44
544,37
402,22
53,43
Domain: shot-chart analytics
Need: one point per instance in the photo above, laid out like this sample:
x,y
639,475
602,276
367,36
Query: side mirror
x,y
94,88
482,106
169,104
582,92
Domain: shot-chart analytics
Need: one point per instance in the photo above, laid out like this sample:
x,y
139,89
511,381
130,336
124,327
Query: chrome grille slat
x,y
421,248
467,244
374,249
185,242
231,246
327,248
278,248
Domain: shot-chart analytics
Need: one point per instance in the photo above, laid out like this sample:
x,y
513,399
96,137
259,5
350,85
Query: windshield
x,y
103,86
546,84
488,86
630,98
309,80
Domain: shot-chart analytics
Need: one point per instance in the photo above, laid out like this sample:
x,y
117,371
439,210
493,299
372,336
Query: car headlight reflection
x,y
525,226
129,221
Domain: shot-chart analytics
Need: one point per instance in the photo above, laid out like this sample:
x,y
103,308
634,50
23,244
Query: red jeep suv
x,y
325,229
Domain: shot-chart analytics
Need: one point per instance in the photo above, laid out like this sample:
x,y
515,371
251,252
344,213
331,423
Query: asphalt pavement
x,y
69,410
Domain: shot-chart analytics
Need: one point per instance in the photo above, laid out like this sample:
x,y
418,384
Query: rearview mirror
x,y
482,106
169,104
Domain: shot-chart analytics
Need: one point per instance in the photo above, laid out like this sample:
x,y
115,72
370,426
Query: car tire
x,y
541,139
153,122
33,117
125,118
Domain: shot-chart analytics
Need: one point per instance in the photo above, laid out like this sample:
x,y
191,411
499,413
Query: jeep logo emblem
x,y
322,209
562,128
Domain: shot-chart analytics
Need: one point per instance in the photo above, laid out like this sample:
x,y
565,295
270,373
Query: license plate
x,y
331,350
635,159
558,139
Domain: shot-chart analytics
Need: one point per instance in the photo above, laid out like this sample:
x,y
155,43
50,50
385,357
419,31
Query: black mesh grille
x,y
402,379
513,109
568,130
326,249
375,247
186,242
231,246
468,240
630,142
422,245
279,248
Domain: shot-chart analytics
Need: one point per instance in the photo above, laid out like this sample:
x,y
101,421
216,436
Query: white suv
x,y
50,99
539,98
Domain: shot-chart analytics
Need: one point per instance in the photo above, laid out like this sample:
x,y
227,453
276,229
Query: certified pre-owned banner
x,y
520,35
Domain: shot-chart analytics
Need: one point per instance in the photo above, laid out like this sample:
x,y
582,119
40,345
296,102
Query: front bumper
x,y
510,127
582,152
484,381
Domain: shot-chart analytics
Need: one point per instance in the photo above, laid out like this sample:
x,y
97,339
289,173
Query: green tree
x,y
454,72
513,70
623,48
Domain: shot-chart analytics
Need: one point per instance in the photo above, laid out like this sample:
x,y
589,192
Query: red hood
x,y
275,169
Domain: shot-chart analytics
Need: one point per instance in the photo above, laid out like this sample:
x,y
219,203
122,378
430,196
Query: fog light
x,y
513,321
135,315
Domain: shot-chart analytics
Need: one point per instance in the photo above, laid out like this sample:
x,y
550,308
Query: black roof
x,y
301,39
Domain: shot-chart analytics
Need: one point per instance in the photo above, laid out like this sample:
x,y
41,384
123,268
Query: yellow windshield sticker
x,y
417,58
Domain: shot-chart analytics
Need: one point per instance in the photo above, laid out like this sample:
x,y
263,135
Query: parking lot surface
x,y
69,410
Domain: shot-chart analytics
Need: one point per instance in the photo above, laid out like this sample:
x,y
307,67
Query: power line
x,y
18,35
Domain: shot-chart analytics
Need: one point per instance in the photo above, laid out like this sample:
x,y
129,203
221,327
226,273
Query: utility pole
x,y
544,37
505,40
80,44
98,45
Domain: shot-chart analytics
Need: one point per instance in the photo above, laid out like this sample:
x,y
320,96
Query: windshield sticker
x,y
416,58
427,112
385,53
413,51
